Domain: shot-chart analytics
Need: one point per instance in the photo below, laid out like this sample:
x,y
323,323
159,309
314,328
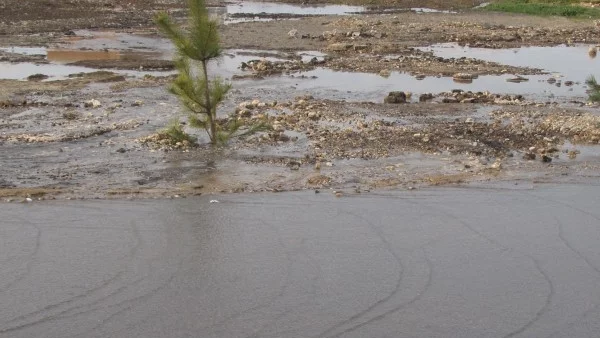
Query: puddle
x,y
572,62
250,7
371,87
96,40
20,71
25,50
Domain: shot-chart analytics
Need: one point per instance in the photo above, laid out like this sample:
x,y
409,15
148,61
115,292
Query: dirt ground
x,y
94,135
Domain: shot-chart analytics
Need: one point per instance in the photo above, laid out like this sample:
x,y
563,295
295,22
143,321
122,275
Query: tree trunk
x,y
212,118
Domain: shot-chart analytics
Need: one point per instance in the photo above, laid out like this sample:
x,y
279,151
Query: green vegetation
x,y
566,8
196,47
200,95
594,89
175,133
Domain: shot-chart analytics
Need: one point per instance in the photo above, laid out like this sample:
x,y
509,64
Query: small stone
x,y
469,120
137,103
546,159
338,194
214,201
121,150
529,156
92,104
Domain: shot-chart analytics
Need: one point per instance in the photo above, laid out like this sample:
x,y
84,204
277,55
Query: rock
x,y
244,113
384,73
313,116
137,103
546,159
425,97
339,47
318,180
517,79
469,120
529,156
395,97
93,103
361,47
592,52
463,77
469,100
121,150
450,100
293,33
37,77
294,165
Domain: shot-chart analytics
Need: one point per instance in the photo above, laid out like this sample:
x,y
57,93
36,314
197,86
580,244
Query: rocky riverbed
x,y
355,101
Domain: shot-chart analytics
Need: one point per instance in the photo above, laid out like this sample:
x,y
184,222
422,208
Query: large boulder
x,y
395,97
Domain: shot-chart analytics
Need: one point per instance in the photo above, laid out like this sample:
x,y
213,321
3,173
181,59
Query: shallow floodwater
x,y
372,87
251,7
572,62
437,263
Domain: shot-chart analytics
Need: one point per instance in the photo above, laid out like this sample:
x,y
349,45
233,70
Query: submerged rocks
x,y
425,97
463,77
395,97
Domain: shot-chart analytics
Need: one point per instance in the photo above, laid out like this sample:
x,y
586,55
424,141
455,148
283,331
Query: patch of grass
x,y
565,8
175,133
594,89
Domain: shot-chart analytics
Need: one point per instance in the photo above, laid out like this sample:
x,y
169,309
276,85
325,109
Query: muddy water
x,y
433,263
251,7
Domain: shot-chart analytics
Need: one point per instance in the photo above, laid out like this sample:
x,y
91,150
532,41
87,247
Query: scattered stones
x,y
318,180
463,77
